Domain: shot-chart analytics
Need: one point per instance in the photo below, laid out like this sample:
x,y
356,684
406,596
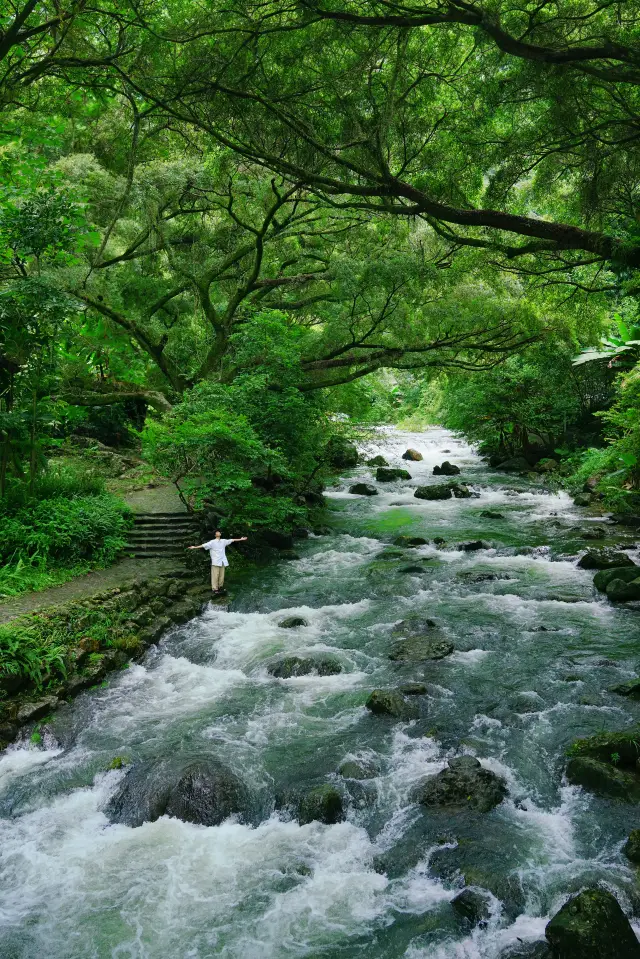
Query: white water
x,y
72,885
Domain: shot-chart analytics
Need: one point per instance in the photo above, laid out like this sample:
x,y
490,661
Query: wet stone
x,y
605,559
377,461
592,925
291,622
322,804
492,514
631,848
389,474
412,455
446,469
363,489
294,666
391,702
465,784
473,905
358,769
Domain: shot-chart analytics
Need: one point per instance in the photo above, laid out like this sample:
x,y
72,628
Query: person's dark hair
x,y
217,531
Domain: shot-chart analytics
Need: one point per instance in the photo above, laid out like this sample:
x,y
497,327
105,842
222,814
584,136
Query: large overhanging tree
x,y
506,126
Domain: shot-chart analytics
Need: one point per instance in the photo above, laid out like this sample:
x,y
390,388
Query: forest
x,y
243,240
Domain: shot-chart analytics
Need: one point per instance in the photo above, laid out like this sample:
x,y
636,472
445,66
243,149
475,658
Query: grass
x,y
24,577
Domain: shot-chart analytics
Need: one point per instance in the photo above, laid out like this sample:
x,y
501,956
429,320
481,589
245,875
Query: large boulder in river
x,y
446,469
465,784
607,764
292,622
605,559
619,591
363,489
321,804
592,925
377,461
516,464
391,702
473,905
293,666
201,791
419,639
410,541
631,848
605,576
412,455
387,474
443,491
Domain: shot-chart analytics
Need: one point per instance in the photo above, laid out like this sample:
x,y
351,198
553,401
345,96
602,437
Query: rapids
x,y
73,886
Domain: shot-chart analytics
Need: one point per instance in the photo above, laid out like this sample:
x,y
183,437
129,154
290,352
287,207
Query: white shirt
x,y
217,553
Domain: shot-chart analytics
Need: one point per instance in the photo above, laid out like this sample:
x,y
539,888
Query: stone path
x,y
120,574
160,499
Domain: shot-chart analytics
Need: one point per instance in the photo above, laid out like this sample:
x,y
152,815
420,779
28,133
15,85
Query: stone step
x,y
176,548
135,534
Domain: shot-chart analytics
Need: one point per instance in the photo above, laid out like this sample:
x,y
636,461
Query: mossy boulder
x,y
583,499
412,455
292,622
201,791
619,591
410,542
605,576
607,764
388,474
492,514
391,702
377,461
605,558
294,666
435,492
358,769
363,489
341,454
321,804
516,464
446,469
630,689
419,639
527,950
592,925
464,784
631,848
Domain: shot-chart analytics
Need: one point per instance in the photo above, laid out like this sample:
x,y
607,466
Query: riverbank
x,y
272,692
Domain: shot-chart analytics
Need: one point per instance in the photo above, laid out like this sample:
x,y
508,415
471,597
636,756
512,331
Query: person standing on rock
x,y
217,551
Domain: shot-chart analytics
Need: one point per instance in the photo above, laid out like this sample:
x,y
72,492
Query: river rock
x,y
605,576
321,804
419,639
605,559
292,621
594,532
363,489
294,666
516,464
473,905
389,474
411,570
582,499
492,514
630,689
391,702
443,491
412,689
358,769
412,455
204,792
30,711
619,591
547,465
592,925
607,764
631,848
377,461
473,545
465,784
528,950
410,541
446,469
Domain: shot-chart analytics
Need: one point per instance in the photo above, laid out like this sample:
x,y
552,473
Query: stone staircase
x,y
162,535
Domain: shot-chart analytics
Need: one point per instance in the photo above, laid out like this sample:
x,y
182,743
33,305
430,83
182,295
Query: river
x,y
379,884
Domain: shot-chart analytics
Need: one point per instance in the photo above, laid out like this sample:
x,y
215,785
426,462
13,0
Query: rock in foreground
x,y
465,784
204,792
322,804
419,639
412,455
592,925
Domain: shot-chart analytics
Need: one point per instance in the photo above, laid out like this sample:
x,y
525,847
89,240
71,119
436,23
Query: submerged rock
x,y
446,469
358,769
297,666
492,514
605,559
204,792
389,474
473,905
473,545
412,455
592,925
377,461
391,702
410,541
465,784
583,499
413,689
412,570
630,689
419,639
443,491
607,764
363,489
631,848
322,804
594,532
292,621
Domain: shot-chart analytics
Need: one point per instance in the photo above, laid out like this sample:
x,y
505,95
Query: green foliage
x,y
30,652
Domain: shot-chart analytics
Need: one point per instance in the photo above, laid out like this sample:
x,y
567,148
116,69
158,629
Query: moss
x,y
118,762
603,746
35,738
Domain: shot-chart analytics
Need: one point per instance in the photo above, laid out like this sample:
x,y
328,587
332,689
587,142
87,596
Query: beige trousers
x,y
217,577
